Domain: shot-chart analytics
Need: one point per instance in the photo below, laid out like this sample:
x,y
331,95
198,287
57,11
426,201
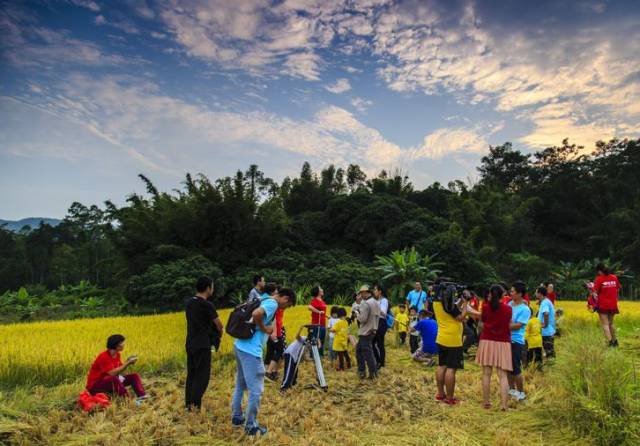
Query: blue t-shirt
x,y
428,329
417,299
546,306
254,344
520,315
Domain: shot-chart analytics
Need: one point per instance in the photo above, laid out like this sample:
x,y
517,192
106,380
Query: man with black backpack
x,y
251,330
202,321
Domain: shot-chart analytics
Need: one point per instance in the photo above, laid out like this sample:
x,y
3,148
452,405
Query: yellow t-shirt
x,y
533,333
341,338
402,320
449,329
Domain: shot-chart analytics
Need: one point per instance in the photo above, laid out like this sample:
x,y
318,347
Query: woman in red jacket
x,y
607,285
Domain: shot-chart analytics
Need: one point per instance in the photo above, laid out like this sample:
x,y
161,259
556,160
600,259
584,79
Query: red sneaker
x,y
452,401
440,397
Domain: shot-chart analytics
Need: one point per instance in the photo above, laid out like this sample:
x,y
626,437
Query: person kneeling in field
x,y
106,372
428,330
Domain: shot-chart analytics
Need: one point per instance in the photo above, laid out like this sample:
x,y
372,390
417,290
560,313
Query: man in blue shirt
x,y
428,329
417,298
547,317
519,319
249,365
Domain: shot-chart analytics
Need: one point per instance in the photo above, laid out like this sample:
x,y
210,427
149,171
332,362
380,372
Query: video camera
x,y
448,293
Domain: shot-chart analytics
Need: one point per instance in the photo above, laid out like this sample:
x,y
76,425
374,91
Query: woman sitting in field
x,y
106,372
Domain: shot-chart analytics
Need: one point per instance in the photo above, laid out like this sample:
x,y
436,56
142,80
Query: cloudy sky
x,y
94,92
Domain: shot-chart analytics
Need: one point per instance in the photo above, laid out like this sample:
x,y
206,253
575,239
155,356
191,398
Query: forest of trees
x,y
547,215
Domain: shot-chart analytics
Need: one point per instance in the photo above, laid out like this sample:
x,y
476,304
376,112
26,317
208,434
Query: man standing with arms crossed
x,y
367,313
202,319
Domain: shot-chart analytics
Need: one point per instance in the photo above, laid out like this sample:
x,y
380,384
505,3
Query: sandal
x,y
486,405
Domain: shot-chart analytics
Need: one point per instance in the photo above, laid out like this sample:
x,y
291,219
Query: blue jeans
x,y
320,333
250,377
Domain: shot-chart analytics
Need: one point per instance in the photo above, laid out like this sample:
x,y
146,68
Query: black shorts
x,y
516,358
275,350
450,357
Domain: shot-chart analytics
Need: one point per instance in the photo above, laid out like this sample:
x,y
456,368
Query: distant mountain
x,y
34,222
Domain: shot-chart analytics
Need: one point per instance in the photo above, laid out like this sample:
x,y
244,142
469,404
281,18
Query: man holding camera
x,y
367,312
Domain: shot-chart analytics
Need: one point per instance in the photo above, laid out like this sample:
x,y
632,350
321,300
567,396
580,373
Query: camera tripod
x,y
311,345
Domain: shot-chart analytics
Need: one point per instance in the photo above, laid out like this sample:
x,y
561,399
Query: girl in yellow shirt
x,y
533,337
341,340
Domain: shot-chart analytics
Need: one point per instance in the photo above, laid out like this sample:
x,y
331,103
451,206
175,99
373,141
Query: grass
x,y
587,398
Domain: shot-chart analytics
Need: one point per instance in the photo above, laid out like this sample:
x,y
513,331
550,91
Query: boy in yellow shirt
x,y
402,321
533,338
341,340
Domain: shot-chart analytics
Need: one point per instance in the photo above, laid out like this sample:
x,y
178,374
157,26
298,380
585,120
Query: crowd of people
x,y
508,327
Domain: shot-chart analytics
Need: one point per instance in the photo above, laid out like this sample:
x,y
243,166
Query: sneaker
x,y
362,375
237,421
257,430
440,397
513,393
142,398
521,396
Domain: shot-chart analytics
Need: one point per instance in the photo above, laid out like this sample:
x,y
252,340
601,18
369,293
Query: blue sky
x,y
93,93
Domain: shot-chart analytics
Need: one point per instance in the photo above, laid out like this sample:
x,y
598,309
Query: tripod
x,y
311,344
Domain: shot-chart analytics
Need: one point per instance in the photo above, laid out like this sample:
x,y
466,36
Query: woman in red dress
x,y
606,286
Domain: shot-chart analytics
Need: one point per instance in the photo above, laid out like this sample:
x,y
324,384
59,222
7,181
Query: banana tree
x,y
401,269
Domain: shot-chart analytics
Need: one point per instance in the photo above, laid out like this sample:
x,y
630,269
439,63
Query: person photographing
x,y
450,311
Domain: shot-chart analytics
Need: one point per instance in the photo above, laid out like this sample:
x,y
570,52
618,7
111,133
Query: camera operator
x,y
367,312
450,312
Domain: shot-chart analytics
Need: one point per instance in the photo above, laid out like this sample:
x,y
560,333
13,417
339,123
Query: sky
x,y
92,93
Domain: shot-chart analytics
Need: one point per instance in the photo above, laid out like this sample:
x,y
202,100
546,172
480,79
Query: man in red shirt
x,y
106,372
318,309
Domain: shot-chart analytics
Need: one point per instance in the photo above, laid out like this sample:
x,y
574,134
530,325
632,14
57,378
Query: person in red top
x,y
318,309
551,294
106,372
277,341
606,287
494,350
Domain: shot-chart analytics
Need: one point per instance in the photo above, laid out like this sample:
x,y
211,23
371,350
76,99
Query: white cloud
x,y
25,44
592,69
340,86
303,65
89,4
361,104
165,133
445,141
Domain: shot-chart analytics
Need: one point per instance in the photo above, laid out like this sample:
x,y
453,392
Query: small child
x,y
533,338
332,320
341,340
402,322
414,336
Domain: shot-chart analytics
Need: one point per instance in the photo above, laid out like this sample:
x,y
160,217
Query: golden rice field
x,y
43,366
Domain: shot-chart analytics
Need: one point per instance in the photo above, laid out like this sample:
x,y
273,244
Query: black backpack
x,y
240,324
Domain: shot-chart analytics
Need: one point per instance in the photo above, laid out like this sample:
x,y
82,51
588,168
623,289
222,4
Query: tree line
x,y
534,216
